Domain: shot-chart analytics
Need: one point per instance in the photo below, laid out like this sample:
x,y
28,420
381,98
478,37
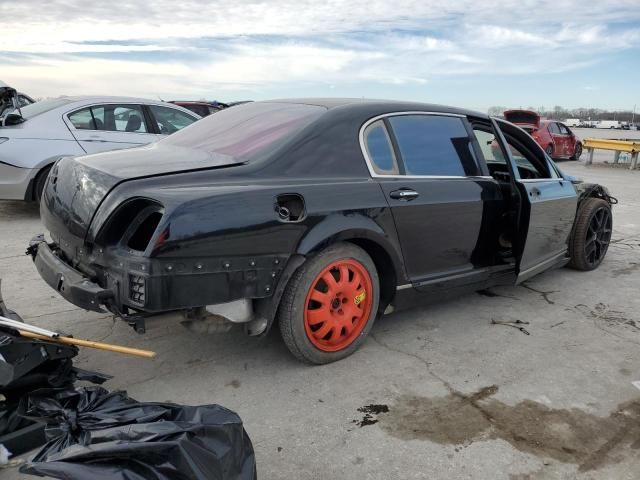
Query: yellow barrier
x,y
617,146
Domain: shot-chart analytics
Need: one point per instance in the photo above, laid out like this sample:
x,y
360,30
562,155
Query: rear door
x,y
559,144
425,165
547,204
103,127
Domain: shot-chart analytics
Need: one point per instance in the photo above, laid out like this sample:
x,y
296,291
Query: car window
x,y
379,149
434,145
526,168
129,118
170,120
82,119
490,147
553,128
529,158
247,132
111,118
529,166
563,130
195,108
24,101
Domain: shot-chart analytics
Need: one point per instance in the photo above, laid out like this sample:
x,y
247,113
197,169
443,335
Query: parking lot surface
x,y
436,392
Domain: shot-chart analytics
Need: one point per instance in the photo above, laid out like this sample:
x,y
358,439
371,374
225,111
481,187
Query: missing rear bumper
x,y
71,284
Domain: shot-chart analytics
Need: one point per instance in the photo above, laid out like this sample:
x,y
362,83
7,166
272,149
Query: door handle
x,y
534,191
404,194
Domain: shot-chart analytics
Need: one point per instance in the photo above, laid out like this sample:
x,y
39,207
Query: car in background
x,y
202,108
610,124
7,97
556,139
34,139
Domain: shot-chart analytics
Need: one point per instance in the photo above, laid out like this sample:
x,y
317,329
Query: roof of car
x,y
399,105
108,98
192,102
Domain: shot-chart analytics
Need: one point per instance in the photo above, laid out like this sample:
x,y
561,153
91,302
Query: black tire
x,y
291,312
40,182
591,234
577,152
549,150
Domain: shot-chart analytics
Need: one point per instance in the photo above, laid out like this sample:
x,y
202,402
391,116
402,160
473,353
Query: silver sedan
x,y
70,126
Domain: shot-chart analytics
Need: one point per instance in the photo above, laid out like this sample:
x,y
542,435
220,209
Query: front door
x,y
548,205
426,168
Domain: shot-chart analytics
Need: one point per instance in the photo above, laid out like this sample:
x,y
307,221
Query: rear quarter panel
x,y
236,219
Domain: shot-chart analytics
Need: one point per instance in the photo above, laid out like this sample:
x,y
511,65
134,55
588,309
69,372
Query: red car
x,y
554,137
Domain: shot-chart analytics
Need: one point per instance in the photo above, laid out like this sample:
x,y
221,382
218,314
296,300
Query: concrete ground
x,y
465,399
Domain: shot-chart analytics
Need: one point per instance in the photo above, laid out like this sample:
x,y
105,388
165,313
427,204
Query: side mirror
x,y
572,179
12,119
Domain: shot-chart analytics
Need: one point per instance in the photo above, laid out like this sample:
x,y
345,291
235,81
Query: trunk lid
x,y
77,186
523,118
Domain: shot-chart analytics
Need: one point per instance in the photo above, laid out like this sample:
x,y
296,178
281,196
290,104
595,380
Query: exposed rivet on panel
x,y
169,267
252,263
273,274
276,261
227,264
142,268
199,266
267,288
100,250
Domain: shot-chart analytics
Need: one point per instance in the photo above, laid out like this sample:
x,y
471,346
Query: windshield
x,y
37,108
247,130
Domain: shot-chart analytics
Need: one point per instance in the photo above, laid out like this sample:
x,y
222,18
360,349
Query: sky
x,y
467,53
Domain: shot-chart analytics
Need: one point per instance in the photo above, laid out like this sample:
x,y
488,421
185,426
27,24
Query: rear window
x,y
37,108
247,130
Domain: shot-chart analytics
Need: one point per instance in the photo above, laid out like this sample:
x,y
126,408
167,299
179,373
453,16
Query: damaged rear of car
x,y
528,120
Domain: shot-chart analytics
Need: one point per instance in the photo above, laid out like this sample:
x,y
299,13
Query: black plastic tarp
x,y
94,434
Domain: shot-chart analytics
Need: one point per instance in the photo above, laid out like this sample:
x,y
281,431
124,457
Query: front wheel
x,y
591,234
330,304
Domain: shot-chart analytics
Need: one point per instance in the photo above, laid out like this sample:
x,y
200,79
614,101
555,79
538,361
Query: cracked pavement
x,y
582,355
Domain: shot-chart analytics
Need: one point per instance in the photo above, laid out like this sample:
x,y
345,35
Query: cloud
x,y
492,36
195,47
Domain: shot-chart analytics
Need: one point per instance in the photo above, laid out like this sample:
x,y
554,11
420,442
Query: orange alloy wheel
x,y
338,305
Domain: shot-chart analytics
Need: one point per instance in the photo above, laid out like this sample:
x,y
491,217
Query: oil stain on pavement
x,y
567,435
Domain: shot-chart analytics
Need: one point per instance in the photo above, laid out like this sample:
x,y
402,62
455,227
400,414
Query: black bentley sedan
x,y
318,214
